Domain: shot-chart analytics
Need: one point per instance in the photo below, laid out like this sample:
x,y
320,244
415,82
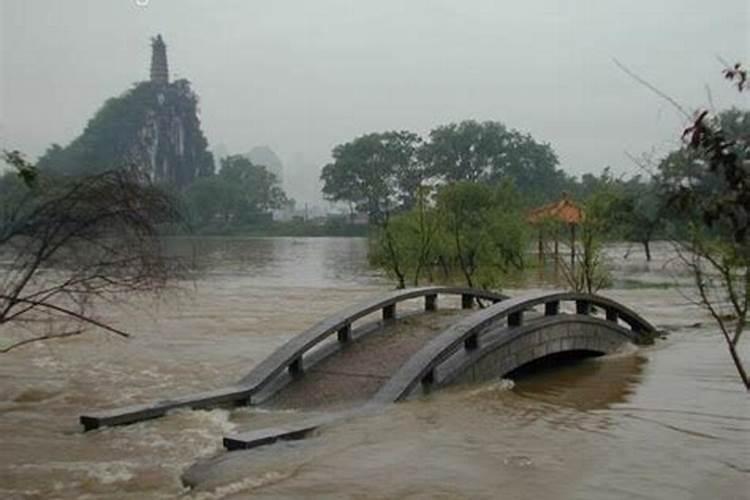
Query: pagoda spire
x,y
159,68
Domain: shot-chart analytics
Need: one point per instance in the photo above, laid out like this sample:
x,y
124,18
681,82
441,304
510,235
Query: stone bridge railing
x,y
289,356
508,315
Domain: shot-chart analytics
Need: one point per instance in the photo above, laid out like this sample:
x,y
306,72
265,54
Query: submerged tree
x,y
482,231
710,192
590,272
68,242
718,249
641,212
405,247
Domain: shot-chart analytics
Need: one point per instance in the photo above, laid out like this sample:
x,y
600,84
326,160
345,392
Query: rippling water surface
x,y
668,421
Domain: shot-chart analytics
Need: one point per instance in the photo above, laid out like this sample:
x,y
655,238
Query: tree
x,y
641,212
260,190
710,190
211,198
490,152
405,247
239,193
67,242
483,230
600,221
376,173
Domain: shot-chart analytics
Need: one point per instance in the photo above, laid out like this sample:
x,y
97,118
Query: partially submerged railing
x,y
289,356
466,333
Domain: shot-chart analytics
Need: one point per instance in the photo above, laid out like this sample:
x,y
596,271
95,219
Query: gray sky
x,y
302,76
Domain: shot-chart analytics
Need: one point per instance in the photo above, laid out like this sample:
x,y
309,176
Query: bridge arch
x,y
497,340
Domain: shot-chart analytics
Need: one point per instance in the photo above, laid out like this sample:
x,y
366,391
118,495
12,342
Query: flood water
x,y
668,421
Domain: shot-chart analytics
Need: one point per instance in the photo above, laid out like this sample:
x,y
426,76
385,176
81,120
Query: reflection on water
x,y
318,262
669,421
585,384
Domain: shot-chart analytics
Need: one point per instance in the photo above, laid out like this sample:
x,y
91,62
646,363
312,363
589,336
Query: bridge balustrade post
x,y
515,319
552,308
389,312
612,314
583,307
471,342
467,301
430,302
345,333
295,367
635,325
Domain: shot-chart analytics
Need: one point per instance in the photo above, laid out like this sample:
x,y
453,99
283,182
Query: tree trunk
x,y
738,365
647,249
573,248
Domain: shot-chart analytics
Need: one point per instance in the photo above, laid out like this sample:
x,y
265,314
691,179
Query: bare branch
x,y
652,88
24,342
77,240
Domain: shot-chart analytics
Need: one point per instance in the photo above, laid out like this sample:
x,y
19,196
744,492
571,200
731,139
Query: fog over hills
x,y
302,77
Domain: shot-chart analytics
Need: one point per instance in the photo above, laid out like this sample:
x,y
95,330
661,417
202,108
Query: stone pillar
x,y
430,302
389,312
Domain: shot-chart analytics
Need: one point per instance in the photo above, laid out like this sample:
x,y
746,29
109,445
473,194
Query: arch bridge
x,y
472,346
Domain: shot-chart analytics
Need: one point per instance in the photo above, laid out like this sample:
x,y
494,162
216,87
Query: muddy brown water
x,y
668,421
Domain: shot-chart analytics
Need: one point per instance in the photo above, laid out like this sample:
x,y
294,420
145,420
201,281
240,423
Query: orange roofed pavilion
x,y
564,211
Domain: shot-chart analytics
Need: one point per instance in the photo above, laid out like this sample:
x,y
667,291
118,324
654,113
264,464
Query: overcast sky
x,y
302,76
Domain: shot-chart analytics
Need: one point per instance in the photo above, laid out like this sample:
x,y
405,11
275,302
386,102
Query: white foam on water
x,y
502,385
111,473
103,472
249,483
518,461
625,350
46,362
216,418
264,411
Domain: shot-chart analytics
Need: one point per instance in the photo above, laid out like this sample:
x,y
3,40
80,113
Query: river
x,y
669,421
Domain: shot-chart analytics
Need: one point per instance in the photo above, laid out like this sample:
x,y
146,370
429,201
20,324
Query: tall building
x,y
159,67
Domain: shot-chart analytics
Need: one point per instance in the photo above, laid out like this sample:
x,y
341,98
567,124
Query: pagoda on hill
x,y
159,67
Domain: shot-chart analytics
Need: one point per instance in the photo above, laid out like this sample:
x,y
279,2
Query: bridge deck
x,y
354,374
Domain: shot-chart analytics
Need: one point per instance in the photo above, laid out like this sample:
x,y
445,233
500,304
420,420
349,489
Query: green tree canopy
x,y
240,192
709,180
483,230
489,151
374,173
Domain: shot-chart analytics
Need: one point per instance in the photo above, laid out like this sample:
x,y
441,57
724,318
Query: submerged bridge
x,y
371,354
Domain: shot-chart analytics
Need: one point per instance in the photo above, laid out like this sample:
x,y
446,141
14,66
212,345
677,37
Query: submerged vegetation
x,y
453,207
463,230
708,187
69,242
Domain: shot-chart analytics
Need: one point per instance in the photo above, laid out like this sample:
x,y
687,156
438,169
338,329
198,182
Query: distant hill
x,y
153,126
265,156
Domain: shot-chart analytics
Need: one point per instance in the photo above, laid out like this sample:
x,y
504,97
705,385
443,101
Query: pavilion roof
x,y
564,210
